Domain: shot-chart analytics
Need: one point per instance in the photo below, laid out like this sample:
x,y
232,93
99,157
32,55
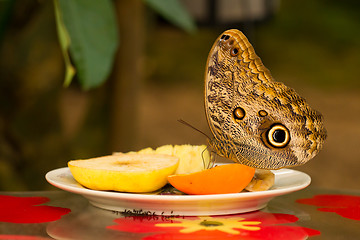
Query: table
x,y
310,213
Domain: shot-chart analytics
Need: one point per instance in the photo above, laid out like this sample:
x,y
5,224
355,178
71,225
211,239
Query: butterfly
x,y
255,120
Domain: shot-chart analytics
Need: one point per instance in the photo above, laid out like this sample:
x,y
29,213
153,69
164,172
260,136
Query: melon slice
x,y
192,158
132,172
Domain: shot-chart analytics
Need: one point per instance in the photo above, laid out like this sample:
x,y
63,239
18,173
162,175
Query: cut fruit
x,y
192,158
124,172
228,178
263,180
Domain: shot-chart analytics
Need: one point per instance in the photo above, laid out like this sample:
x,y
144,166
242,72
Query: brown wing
x,y
243,104
220,74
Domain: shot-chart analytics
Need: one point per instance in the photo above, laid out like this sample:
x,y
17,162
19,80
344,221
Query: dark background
x,y
311,45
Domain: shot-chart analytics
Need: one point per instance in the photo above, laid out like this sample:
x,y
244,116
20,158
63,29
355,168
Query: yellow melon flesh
x,y
124,172
192,158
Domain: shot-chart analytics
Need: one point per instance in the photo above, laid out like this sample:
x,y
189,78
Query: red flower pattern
x,y
26,210
344,205
254,225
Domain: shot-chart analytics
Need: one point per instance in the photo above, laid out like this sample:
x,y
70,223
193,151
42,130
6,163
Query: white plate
x,y
286,181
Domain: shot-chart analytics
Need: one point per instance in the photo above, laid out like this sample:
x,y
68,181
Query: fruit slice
x,y
124,172
192,158
263,180
228,178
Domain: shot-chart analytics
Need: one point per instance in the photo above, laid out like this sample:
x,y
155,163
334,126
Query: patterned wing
x,y
255,120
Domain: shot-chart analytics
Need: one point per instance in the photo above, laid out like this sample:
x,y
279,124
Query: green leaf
x,y
64,40
92,30
173,11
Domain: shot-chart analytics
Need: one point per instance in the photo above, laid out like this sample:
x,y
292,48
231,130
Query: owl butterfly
x,y
255,120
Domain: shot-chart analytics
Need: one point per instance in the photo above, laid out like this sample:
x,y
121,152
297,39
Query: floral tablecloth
x,y
307,214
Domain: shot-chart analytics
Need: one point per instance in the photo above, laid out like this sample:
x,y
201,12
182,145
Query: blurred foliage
x,y
64,40
173,11
316,42
42,125
87,31
168,64
306,42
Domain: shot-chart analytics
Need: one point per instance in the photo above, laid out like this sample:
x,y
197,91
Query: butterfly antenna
x,y
189,125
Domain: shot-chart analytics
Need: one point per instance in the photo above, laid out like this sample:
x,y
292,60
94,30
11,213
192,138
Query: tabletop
x,y
311,213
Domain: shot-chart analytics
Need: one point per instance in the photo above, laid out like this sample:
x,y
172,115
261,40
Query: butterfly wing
x,y
255,120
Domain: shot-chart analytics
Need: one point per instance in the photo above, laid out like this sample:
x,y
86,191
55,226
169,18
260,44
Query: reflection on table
x,y
310,213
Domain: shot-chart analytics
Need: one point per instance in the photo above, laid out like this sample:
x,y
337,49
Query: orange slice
x,y
228,178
